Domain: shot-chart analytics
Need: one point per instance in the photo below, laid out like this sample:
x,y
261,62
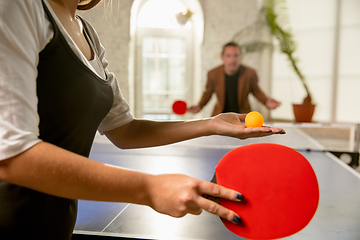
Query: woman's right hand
x,y
177,195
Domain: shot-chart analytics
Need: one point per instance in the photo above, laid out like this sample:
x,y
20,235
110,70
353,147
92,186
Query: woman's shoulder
x,y
12,9
93,34
24,20
90,28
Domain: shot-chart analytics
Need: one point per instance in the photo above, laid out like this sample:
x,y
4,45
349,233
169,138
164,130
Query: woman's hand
x,y
177,195
145,133
230,124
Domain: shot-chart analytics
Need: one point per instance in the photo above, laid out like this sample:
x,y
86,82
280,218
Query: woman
x,y
56,92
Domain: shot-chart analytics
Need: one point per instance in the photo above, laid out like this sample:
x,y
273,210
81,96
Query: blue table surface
x,y
337,217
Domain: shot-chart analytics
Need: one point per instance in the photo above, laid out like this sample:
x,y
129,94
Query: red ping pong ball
x,y
254,119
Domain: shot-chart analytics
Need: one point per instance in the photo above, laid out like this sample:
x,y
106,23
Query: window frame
x,y
187,35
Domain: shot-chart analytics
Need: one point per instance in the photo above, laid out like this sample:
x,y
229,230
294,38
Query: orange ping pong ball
x,y
254,119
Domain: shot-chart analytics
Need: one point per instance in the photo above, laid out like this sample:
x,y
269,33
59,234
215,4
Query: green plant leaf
x,y
272,15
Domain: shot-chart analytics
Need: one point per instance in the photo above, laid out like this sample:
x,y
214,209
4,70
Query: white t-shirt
x,y
24,32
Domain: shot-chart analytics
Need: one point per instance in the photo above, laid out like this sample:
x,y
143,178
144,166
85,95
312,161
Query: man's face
x,y
231,58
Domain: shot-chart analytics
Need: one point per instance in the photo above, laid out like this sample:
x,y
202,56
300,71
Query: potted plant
x,y
271,15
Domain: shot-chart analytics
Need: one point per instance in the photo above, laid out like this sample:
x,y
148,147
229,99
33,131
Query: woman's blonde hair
x,y
88,5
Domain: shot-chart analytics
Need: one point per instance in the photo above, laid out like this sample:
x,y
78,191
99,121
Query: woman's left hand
x,y
230,124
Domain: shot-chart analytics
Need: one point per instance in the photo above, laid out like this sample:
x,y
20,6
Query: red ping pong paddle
x,y
179,107
280,190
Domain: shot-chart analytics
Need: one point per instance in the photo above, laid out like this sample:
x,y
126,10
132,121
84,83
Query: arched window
x,y
161,14
164,58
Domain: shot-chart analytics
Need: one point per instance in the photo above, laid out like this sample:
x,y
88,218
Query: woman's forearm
x,y
145,133
52,170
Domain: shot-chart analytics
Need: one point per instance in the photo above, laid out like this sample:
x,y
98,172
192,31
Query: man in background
x,y
232,82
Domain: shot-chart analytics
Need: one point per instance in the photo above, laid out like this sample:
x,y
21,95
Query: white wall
x,y
348,90
222,20
313,24
331,68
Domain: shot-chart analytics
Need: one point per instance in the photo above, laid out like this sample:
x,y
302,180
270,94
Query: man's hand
x,y
272,103
194,109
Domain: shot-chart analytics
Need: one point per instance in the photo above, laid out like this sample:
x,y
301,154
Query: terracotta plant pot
x,y
303,112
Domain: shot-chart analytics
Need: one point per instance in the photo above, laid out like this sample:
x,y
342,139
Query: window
x,y
163,65
161,14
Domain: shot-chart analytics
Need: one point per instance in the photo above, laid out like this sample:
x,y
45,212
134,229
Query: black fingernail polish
x,y
269,131
281,132
236,220
239,196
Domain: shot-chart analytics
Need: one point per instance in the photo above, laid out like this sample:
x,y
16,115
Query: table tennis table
x,y
337,217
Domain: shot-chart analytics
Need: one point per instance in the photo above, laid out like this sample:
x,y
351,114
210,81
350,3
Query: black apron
x,y
72,101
